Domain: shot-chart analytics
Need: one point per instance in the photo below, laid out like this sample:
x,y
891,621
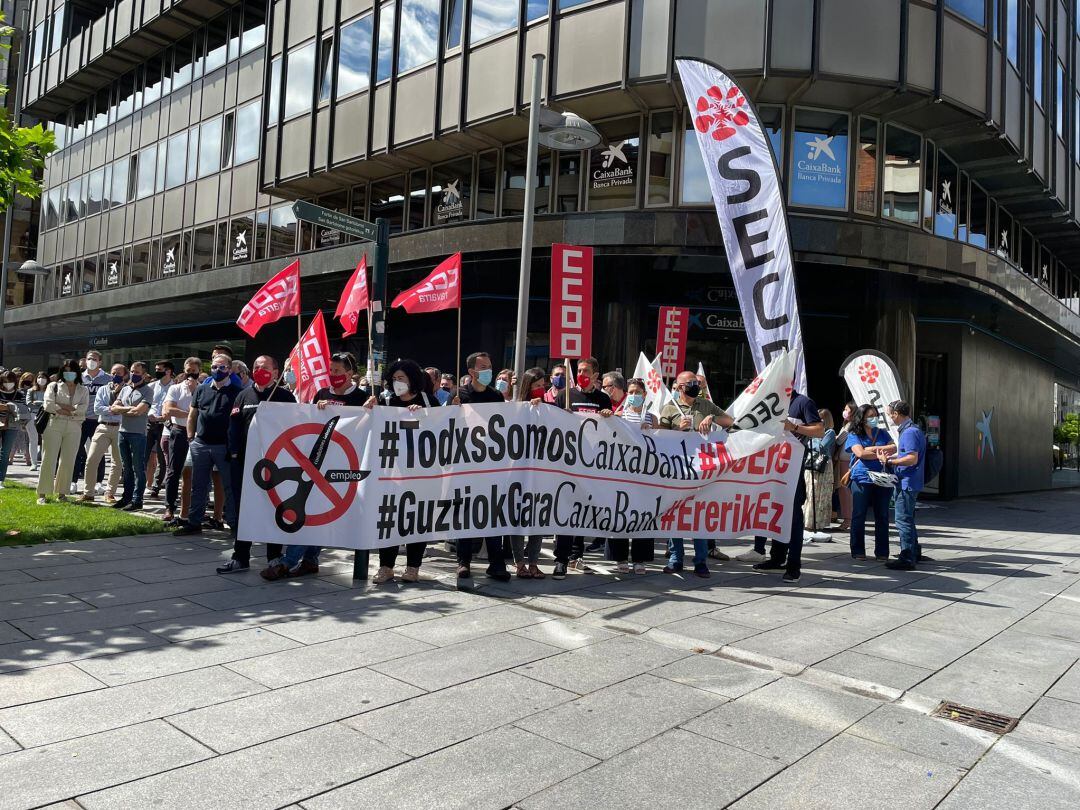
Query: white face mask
x,y
9,386
92,365
42,381
401,388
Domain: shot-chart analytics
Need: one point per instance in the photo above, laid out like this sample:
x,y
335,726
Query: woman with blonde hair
x,y
818,476
66,402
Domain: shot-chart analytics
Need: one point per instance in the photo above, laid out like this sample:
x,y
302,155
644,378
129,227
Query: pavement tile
x,y
971,620
141,592
611,720
988,682
803,643
488,772
913,645
381,615
771,612
60,649
590,668
68,569
7,744
52,773
783,720
457,663
1047,623
872,669
565,633
45,683
262,777
328,658
9,634
266,592
852,772
472,624
104,618
676,769
33,606
872,619
87,713
217,622
444,600
923,735
1068,686
660,609
1019,773
440,719
280,712
187,655
728,678
14,577
1048,711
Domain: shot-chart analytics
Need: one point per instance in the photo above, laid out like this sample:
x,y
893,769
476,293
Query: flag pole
x,y
457,354
566,384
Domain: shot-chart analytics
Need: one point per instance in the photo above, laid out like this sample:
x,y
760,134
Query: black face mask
x,y
160,375
692,389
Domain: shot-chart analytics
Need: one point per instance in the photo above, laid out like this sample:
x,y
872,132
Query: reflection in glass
x,y
451,192
326,68
282,231
120,180
386,42
866,155
929,162
419,33
514,178
568,183
354,57
487,182
819,159
418,190
247,133
95,191
661,157
176,162
453,27
275,92
900,175
388,201
210,151
945,198
978,230
490,17
202,249
301,75
693,182
961,207
614,166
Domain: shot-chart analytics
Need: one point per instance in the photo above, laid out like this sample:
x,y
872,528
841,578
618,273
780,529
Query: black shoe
x,y
924,558
233,567
500,574
214,523
187,529
792,576
770,565
595,545
133,507
120,505
155,492
900,565
560,571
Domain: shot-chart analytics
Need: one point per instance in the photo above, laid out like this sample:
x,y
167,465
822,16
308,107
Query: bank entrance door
x,y
931,414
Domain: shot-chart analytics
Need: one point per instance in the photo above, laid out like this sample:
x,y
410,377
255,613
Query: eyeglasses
x,y
219,368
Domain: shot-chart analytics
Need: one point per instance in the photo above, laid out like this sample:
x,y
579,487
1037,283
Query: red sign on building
x,y
671,339
571,301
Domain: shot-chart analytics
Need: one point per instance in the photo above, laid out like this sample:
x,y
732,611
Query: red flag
x,y
278,298
571,301
440,290
354,298
310,359
671,339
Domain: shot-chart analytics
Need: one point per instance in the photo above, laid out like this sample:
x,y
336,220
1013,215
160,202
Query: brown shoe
x,y
411,575
464,572
303,568
536,573
275,571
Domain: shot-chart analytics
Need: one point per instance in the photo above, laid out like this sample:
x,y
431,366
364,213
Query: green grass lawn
x,y
23,522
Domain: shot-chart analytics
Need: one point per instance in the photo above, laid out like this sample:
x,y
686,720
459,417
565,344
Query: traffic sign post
x,y
379,233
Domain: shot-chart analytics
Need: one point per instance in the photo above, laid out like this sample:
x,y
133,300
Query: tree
x,y
22,149
1068,432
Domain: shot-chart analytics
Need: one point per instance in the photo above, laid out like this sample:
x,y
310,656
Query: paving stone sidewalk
x,y
133,676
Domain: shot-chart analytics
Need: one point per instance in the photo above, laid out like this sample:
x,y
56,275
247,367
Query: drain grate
x,y
976,718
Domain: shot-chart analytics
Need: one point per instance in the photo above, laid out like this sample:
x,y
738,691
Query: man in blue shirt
x,y
910,464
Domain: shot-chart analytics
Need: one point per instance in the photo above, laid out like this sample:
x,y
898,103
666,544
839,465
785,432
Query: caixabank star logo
x,y
720,112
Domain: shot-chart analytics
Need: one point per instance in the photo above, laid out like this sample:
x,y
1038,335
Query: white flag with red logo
x,y
440,290
310,359
277,298
763,404
750,207
354,299
657,394
872,379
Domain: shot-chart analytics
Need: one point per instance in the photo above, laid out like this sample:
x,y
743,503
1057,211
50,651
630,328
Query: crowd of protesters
x,y
184,431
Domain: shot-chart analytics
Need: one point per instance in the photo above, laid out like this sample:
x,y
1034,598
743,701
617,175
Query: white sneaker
x,y
74,490
821,537
34,468
751,556
100,489
41,501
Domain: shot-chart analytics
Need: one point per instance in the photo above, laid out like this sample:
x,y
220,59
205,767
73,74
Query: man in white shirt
x,y
106,437
93,378
155,454
174,408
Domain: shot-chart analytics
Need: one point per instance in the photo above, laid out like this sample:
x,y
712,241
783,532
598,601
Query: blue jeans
x,y
910,550
133,458
7,441
293,555
677,552
204,458
864,497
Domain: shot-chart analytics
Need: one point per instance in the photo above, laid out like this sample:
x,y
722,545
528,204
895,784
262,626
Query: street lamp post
x,y
560,132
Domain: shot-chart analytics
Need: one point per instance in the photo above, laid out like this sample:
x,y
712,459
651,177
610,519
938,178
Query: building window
x,y
962,208
113,268
866,169
159,178
945,199
241,245
614,166
52,208
217,44
451,192
489,19
223,242
568,182
1038,69
228,138
819,159
170,259
974,10
977,232
487,184
661,158
358,204
1006,244
385,63
1012,31
275,92
535,9
388,201
247,133
418,191
354,57
300,70
262,234
693,181
254,27
929,164
95,191
1060,93
139,270
176,162
182,70
453,25
210,148
282,231
326,68
90,274
74,200
900,175
514,179
419,33
1027,248
193,153
202,249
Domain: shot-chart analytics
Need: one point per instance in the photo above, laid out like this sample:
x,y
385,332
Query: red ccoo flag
x,y
277,298
354,299
310,359
440,290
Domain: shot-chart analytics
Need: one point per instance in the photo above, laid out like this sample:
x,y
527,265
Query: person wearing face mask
x,y
133,407
868,439
909,463
106,438
409,385
480,390
35,399
342,390
843,494
526,550
93,378
155,427
504,384
26,435
208,435
175,410
66,403
9,424
445,392
632,407
265,377
558,383
639,550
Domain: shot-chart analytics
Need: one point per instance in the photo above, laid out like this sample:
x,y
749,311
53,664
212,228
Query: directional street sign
x,y
335,221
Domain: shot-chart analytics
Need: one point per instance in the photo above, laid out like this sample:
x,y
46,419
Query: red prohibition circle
x,y
285,443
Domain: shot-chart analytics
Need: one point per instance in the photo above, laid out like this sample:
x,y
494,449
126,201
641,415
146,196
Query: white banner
x,y
872,379
359,478
657,394
750,206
